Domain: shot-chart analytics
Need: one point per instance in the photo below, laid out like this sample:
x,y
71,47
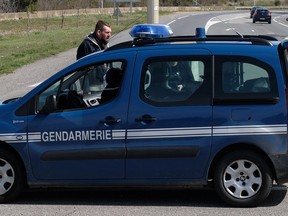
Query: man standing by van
x,y
96,41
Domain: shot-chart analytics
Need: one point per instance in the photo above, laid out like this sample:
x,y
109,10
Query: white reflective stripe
x,y
118,134
168,132
249,130
16,141
34,137
13,137
13,134
207,131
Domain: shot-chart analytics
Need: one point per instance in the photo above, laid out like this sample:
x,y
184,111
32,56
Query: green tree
x,y
25,4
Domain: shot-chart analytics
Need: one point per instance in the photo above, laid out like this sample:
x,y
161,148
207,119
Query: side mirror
x,y
50,105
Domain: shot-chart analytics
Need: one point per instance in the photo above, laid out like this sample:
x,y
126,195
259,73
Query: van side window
x,y
243,78
175,82
83,88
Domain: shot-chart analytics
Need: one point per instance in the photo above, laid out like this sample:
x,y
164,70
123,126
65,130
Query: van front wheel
x,y
11,176
243,178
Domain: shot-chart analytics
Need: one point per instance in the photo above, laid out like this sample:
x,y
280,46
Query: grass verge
x,y
25,41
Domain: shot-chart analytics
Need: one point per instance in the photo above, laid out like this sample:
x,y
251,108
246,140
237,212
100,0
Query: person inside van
x,y
113,79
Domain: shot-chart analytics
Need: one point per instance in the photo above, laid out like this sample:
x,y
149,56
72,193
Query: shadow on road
x,y
195,197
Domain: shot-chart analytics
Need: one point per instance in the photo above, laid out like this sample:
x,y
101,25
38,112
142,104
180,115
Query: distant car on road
x,y
252,10
262,15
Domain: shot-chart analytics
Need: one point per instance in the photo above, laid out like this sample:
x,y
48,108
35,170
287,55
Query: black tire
x,y
243,179
11,176
254,21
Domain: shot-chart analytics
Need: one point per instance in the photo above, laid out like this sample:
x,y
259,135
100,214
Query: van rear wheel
x,y
243,178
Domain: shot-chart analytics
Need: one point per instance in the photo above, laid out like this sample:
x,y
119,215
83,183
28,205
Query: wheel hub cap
x,y
242,179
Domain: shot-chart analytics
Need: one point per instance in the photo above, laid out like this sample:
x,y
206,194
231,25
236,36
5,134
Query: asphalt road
x,y
126,202
27,77
137,203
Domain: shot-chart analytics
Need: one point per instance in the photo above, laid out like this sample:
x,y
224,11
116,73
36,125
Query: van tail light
x,y
269,14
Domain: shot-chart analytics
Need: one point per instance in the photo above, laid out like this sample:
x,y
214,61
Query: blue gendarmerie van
x,y
156,111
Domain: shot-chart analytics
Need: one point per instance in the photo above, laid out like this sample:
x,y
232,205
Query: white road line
x,y
171,22
223,18
280,23
179,18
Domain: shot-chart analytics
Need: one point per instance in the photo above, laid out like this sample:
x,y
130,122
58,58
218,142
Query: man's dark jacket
x,y
89,45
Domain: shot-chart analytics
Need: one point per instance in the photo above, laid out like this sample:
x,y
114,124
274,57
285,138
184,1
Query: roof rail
x,y
254,39
121,45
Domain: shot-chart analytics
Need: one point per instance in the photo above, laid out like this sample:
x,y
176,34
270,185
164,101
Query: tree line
x,y
8,6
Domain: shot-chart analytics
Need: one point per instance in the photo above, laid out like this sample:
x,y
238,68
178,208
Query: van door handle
x,y
146,119
110,121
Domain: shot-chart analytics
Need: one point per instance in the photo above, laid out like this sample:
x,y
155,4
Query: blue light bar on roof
x,y
151,31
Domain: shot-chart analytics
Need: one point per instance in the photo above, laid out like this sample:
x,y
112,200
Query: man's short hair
x,y
100,25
